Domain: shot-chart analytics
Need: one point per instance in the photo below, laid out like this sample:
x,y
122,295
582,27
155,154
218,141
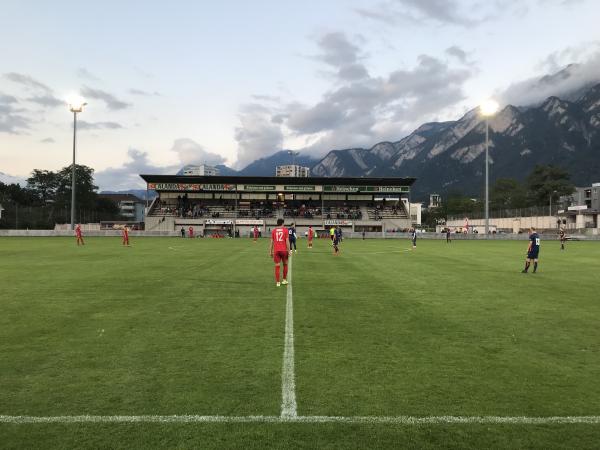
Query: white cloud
x,y
127,176
449,12
84,125
563,83
357,110
110,100
258,134
190,152
27,81
47,101
12,120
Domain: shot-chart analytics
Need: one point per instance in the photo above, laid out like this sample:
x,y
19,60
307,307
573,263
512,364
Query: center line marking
x,y
288,382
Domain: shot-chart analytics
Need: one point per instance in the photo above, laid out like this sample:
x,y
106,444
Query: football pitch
x,y
180,343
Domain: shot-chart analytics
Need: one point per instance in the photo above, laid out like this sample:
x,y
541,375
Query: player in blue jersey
x,y
336,244
338,234
292,237
533,251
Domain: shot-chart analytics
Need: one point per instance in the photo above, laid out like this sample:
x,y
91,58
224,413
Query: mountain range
x,y
450,156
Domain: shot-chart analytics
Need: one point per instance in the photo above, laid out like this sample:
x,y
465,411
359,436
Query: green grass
x,y
172,326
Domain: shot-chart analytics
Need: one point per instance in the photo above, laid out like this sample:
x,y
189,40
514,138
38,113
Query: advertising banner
x,y
190,187
218,222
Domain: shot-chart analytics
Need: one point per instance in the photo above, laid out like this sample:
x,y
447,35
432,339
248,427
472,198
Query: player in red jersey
x,y
280,250
191,232
125,234
79,235
255,231
311,235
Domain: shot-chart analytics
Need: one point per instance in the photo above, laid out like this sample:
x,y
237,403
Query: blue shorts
x,y
533,254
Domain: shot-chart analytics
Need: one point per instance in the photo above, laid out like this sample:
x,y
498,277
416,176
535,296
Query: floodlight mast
x,y
487,109
76,105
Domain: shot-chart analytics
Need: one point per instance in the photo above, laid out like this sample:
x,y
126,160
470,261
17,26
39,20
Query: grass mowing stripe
x,y
393,420
288,383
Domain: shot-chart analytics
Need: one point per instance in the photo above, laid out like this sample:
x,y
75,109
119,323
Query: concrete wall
x,y
54,233
85,227
516,224
513,224
154,223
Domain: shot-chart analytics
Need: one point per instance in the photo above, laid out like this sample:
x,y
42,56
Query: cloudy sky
x,y
179,82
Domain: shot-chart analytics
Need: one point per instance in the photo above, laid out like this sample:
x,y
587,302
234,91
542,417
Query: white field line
x,y
392,420
288,382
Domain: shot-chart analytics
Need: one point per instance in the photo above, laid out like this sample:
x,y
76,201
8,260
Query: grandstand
x,y
234,205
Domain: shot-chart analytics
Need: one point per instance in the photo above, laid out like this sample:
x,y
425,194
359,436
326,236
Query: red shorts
x,y
280,256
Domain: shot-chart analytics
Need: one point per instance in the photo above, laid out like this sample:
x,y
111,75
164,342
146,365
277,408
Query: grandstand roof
x,y
392,181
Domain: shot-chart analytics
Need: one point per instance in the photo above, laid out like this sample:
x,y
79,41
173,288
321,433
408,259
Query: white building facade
x,y
202,170
292,170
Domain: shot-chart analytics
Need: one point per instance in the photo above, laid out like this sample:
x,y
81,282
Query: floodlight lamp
x,y
76,103
489,107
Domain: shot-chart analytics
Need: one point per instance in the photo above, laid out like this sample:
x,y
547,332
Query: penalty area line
x,y
392,420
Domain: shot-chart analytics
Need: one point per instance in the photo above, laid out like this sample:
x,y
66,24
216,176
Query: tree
x,y
14,193
85,190
547,181
507,194
434,216
43,184
458,204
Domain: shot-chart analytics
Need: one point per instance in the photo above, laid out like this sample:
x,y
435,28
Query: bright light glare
x,y
489,107
76,102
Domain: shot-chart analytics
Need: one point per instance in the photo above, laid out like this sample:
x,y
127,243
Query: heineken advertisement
x,y
366,188
258,187
299,188
190,187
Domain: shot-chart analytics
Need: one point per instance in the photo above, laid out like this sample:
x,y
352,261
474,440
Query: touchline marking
x,y
288,382
392,420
